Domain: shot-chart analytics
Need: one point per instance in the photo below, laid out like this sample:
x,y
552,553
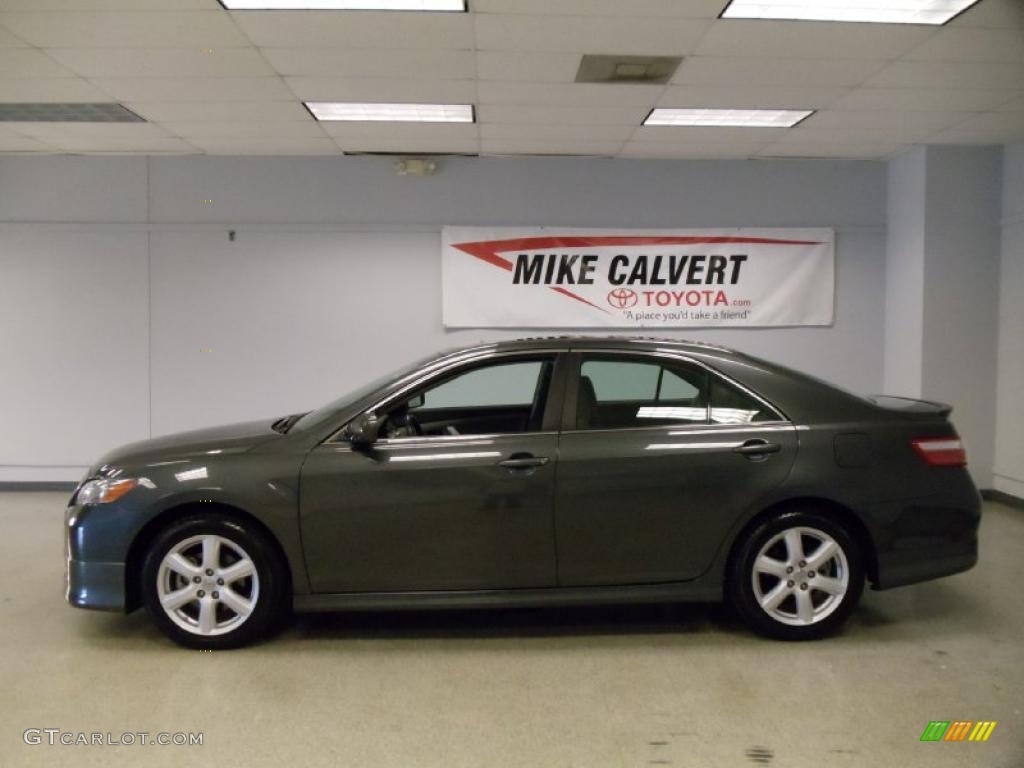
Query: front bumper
x,y
99,586
95,584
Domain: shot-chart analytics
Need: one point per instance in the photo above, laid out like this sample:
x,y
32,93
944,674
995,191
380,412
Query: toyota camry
x,y
534,472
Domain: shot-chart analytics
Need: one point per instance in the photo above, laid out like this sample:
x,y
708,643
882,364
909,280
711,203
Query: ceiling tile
x,y
997,14
1013,105
535,68
972,44
556,115
365,29
383,90
192,111
942,74
525,132
589,34
895,126
109,5
751,70
426,146
12,141
105,137
7,40
267,145
750,97
810,39
835,149
696,9
413,133
698,134
29,62
386,63
989,128
699,150
576,94
124,29
932,99
49,89
163,62
195,88
549,147
244,129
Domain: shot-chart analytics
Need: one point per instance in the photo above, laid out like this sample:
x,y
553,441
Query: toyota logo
x,y
622,298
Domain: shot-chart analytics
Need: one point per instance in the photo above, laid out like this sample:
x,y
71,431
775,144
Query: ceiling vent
x,y
73,112
596,68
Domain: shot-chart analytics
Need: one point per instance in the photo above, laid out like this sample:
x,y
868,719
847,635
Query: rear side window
x,y
731,405
619,394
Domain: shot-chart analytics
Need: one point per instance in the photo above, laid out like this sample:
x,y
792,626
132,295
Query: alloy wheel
x,y
208,585
800,576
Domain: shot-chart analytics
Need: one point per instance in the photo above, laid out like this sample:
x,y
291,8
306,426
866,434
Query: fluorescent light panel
x,y
344,5
878,11
735,118
398,113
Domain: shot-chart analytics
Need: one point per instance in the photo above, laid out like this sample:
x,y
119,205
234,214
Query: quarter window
x,y
730,405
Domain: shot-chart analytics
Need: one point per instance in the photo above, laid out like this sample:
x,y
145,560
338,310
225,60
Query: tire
x,y
766,579
211,582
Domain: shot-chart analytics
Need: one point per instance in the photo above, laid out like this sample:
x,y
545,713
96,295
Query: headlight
x,y
105,491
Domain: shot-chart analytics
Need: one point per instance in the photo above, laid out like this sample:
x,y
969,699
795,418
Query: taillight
x,y
941,451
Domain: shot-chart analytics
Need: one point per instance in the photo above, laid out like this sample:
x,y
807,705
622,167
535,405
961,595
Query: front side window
x,y
624,393
496,398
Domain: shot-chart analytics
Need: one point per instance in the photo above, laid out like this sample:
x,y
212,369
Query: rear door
x,y
658,458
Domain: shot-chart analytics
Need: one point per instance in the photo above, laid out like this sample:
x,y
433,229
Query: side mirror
x,y
362,431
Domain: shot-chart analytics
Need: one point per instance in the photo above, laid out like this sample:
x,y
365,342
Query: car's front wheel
x,y
212,582
797,576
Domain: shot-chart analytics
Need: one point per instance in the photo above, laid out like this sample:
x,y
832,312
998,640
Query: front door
x,y
457,494
659,459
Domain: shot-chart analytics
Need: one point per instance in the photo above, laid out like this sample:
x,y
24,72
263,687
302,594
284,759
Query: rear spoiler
x,y
911,407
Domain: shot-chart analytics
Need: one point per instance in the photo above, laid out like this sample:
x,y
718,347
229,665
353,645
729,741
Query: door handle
x,y
519,461
757,448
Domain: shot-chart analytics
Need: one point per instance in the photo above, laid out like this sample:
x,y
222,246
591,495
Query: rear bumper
x,y
927,539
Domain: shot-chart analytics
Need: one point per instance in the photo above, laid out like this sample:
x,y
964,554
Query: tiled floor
x,y
680,686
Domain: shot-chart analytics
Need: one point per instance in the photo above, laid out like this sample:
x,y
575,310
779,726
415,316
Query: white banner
x,y
517,277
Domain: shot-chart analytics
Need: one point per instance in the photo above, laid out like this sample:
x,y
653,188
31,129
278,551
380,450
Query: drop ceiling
x,y
211,81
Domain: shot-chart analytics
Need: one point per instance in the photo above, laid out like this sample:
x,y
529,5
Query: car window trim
x,y
574,365
552,406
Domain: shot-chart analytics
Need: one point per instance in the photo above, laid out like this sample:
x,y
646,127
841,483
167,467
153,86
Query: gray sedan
x,y
535,472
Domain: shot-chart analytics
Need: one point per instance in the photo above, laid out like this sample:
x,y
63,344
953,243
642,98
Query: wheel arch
x,y
148,533
831,508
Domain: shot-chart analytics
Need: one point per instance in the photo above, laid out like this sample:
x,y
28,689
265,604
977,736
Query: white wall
x,y
334,277
904,273
1009,442
942,276
961,289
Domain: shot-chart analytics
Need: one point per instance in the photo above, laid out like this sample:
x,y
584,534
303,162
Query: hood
x,y
231,438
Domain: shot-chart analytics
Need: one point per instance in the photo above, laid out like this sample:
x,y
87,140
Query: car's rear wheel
x,y
797,576
212,582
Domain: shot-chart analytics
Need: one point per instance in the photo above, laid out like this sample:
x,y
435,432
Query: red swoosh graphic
x,y
488,250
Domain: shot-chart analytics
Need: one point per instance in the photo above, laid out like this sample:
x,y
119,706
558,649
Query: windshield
x,y
345,401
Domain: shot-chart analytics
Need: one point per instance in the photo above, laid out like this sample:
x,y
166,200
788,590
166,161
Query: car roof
x,y
639,343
